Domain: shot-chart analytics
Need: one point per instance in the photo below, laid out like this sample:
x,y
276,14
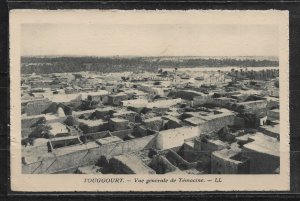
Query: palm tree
x,y
252,75
175,70
263,74
236,73
241,70
232,72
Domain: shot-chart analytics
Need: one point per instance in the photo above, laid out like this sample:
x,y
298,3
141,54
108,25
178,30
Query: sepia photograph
x,y
149,100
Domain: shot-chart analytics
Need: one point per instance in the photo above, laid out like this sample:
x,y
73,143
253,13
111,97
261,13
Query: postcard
x,y
149,101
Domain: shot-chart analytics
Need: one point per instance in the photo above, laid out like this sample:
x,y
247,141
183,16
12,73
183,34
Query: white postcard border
x,y
71,182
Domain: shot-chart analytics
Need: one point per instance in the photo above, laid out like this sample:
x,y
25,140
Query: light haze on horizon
x,y
148,40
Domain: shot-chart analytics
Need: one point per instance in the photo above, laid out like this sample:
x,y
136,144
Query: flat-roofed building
x,y
116,99
92,126
263,153
58,130
229,161
129,164
117,124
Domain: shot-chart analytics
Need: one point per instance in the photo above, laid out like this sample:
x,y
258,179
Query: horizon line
x,y
150,56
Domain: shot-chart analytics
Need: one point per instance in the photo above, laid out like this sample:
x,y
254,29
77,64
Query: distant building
x,y
99,96
116,99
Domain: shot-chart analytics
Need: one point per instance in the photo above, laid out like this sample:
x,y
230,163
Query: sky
x,y
149,40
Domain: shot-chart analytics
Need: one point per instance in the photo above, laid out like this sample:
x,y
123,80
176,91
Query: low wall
x,y
94,129
38,107
217,123
220,102
122,133
164,103
200,100
98,135
93,136
255,104
87,156
130,116
255,107
135,103
187,94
